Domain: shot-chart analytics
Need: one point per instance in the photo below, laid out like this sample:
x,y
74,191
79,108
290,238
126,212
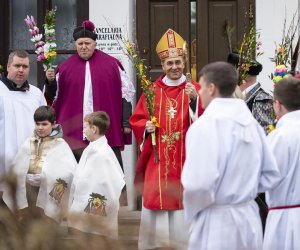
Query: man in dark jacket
x,y
258,100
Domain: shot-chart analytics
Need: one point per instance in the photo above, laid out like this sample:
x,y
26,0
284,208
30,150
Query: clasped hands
x,y
34,179
150,127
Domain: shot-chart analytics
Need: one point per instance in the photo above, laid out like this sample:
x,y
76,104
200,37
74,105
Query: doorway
x,y
200,22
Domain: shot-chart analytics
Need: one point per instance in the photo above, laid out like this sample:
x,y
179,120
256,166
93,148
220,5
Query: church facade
x,y
202,23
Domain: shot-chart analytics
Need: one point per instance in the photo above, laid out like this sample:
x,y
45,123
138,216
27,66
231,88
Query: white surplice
x,y
57,163
99,172
16,120
227,163
283,225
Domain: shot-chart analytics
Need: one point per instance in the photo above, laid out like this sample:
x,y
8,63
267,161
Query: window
x,y
70,13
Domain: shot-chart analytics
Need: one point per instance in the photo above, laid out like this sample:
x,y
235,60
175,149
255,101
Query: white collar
x,y
292,117
247,90
170,82
102,139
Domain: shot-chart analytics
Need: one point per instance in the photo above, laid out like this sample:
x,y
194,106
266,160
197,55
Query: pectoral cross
x,y
172,112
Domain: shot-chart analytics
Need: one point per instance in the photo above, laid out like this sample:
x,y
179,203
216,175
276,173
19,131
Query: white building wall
x,y
270,16
114,18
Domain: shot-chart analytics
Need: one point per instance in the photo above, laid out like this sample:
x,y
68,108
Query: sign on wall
x,y
109,39
112,25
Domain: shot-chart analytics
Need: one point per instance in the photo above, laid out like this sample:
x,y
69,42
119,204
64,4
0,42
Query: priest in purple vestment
x,y
89,81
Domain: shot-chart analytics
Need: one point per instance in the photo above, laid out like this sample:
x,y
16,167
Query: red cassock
x,y
159,182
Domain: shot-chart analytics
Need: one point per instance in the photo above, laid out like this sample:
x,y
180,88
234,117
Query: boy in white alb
x,y
227,164
98,182
44,167
283,221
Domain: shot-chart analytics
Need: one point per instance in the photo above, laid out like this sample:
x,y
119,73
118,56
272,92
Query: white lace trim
x,y
128,89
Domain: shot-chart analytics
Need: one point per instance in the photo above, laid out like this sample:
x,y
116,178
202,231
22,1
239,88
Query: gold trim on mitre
x,y
170,45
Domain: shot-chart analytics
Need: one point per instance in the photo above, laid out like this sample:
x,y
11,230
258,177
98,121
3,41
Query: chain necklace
x,y
172,108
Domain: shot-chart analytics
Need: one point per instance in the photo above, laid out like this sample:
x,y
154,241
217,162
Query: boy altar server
x,y
44,167
98,182
227,164
283,221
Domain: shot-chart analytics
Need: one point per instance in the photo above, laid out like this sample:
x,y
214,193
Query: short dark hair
x,y
18,53
100,119
223,75
287,92
44,113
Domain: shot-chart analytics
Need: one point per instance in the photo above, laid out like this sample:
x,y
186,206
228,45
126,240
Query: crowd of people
x,y
213,158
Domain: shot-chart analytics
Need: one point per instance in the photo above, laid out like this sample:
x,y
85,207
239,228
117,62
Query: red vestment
x,y
160,182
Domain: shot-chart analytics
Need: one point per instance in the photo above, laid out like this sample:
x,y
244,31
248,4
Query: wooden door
x,y
206,37
212,16
153,19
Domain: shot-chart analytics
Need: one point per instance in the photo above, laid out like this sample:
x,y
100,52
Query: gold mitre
x,y
170,45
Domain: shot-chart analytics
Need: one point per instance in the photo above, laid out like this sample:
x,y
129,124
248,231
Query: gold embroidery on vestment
x,y
39,149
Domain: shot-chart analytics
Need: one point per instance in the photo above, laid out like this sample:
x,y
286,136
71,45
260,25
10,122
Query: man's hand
x,y
50,75
190,90
126,130
150,127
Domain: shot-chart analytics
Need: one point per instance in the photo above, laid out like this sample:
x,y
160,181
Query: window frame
x,y
82,13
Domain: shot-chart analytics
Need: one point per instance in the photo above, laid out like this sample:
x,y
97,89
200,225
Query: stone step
x,y
129,222
129,225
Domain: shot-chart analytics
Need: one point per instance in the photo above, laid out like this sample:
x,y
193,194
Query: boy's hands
x,y
34,179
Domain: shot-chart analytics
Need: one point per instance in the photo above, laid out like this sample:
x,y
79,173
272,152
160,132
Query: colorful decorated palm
x,y
45,50
285,55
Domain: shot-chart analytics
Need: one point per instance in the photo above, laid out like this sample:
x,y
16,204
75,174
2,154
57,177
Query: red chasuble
x,y
160,182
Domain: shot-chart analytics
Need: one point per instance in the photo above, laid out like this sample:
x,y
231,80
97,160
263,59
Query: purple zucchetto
x,y
85,30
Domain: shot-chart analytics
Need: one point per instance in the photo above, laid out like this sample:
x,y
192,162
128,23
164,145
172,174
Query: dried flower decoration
x,y
228,31
249,48
147,85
